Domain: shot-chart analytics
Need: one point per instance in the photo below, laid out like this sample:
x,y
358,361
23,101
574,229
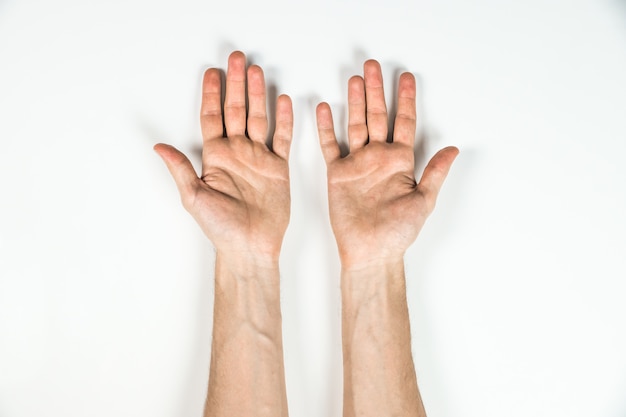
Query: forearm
x,y
379,375
247,371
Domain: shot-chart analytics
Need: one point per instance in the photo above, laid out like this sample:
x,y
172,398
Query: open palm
x,y
241,201
376,206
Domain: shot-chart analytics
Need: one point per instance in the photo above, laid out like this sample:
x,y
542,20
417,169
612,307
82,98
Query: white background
x,y
516,284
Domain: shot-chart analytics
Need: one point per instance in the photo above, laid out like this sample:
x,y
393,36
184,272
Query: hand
x,y
241,201
376,207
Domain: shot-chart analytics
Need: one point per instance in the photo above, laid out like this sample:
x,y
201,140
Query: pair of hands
x,y
242,200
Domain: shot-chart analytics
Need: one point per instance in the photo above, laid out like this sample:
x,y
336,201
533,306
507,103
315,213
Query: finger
x,y
181,170
326,133
235,100
211,121
357,125
375,102
404,125
436,172
284,126
257,105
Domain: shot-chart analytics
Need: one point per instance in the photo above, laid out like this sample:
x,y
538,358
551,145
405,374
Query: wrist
x,y
364,252
379,285
375,270
246,265
370,264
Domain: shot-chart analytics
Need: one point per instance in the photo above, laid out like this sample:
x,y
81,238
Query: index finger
x,y
211,108
405,123
326,133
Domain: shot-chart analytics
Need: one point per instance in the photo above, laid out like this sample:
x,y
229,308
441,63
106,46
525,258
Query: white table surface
x,y
517,283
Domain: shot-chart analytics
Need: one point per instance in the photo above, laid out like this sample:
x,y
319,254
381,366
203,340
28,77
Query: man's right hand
x,y
241,201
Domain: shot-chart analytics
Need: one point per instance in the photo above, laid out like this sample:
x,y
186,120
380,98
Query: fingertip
x,y
356,88
284,100
407,77
212,81
255,71
453,151
284,113
211,74
284,108
159,148
324,116
322,107
169,153
236,55
237,62
444,158
407,82
355,80
371,64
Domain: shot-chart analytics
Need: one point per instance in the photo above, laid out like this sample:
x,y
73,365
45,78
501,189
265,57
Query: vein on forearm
x,y
379,376
247,371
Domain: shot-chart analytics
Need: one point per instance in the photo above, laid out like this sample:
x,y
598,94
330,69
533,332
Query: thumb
x,y
180,168
436,172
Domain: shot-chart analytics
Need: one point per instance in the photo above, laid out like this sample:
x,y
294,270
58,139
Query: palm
x,y
376,206
373,198
241,201
244,197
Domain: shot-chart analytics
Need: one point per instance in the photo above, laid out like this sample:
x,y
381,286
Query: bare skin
x,y
377,209
241,201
